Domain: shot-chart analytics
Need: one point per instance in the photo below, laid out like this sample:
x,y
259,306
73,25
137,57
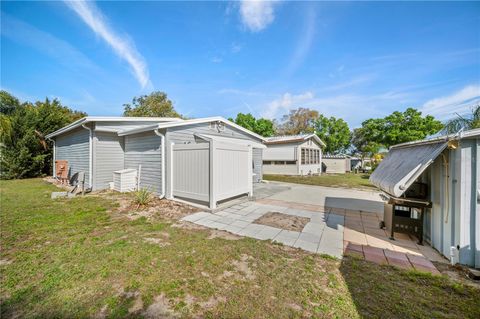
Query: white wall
x,y
335,165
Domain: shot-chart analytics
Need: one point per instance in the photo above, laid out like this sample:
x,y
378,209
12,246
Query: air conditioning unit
x,y
125,180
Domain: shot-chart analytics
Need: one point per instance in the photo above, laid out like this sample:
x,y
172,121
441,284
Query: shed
x,y
204,160
336,164
293,155
449,166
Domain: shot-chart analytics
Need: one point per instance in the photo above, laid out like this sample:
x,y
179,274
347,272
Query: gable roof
x,y
89,119
189,122
285,139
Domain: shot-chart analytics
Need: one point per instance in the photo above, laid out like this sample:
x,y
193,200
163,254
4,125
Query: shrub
x,y
142,197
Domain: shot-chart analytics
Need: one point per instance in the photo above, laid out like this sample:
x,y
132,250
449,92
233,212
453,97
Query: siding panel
x,y
145,149
74,147
108,157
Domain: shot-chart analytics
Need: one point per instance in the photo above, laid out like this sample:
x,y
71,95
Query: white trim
x,y
293,138
89,119
162,137
231,140
189,122
90,155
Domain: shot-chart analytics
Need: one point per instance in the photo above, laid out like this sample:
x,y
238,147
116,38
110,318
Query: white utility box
x,y
125,180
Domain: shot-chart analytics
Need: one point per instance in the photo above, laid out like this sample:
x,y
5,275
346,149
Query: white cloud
x,y
286,102
458,102
121,45
236,47
257,14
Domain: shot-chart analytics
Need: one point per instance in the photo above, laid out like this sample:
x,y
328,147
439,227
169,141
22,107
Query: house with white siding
x,y
445,171
207,160
293,155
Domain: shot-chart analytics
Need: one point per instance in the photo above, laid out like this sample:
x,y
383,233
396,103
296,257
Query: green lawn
x,y
330,180
83,258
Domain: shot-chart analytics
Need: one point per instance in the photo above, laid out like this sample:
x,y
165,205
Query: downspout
x,y
54,173
162,138
90,155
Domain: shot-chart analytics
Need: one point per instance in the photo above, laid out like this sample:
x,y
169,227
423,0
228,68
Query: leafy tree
x,y
299,121
24,150
398,127
156,104
467,122
8,103
260,126
363,144
334,132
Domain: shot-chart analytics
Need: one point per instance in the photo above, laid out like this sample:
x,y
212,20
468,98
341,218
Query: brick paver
x,y
331,231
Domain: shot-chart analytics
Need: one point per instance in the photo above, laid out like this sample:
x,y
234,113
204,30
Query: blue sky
x,y
350,60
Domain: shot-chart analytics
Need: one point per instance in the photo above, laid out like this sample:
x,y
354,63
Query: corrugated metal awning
x,y
403,165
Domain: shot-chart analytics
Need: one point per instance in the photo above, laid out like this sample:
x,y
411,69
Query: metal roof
x,y
190,122
403,165
89,119
292,138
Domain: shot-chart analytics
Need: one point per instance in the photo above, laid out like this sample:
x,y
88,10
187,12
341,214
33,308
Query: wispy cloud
x,y
236,47
44,42
457,102
304,44
286,102
121,45
256,15
216,59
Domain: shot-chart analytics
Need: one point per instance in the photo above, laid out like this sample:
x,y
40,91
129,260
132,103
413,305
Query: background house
x,y
449,167
293,155
204,160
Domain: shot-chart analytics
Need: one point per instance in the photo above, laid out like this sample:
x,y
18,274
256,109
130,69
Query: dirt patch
x,y
223,234
283,221
160,308
4,262
457,273
242,266
155,209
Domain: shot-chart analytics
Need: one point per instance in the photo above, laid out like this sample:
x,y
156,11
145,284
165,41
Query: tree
x,y
362,143
24,150
299,121
260,126
8,103
156,104
398,127
466,122
334,132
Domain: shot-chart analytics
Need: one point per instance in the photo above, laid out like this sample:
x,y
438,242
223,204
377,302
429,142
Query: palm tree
x,y
466,122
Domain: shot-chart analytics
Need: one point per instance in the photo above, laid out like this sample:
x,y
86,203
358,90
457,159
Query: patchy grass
x,y
84,257
349,180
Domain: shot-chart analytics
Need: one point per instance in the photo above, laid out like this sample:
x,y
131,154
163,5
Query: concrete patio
x,y
334,231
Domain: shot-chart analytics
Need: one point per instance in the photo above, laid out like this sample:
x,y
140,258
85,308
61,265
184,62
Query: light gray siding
x,y
74,147
257,164
454,218
183,134
108,157
145,149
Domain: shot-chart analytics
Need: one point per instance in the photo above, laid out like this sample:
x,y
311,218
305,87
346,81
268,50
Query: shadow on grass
x,y
388,292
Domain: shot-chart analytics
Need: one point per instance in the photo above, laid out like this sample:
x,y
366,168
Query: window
x,y
267,162
290,162
303,156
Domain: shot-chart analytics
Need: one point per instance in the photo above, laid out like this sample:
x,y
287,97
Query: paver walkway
x,y
332,231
